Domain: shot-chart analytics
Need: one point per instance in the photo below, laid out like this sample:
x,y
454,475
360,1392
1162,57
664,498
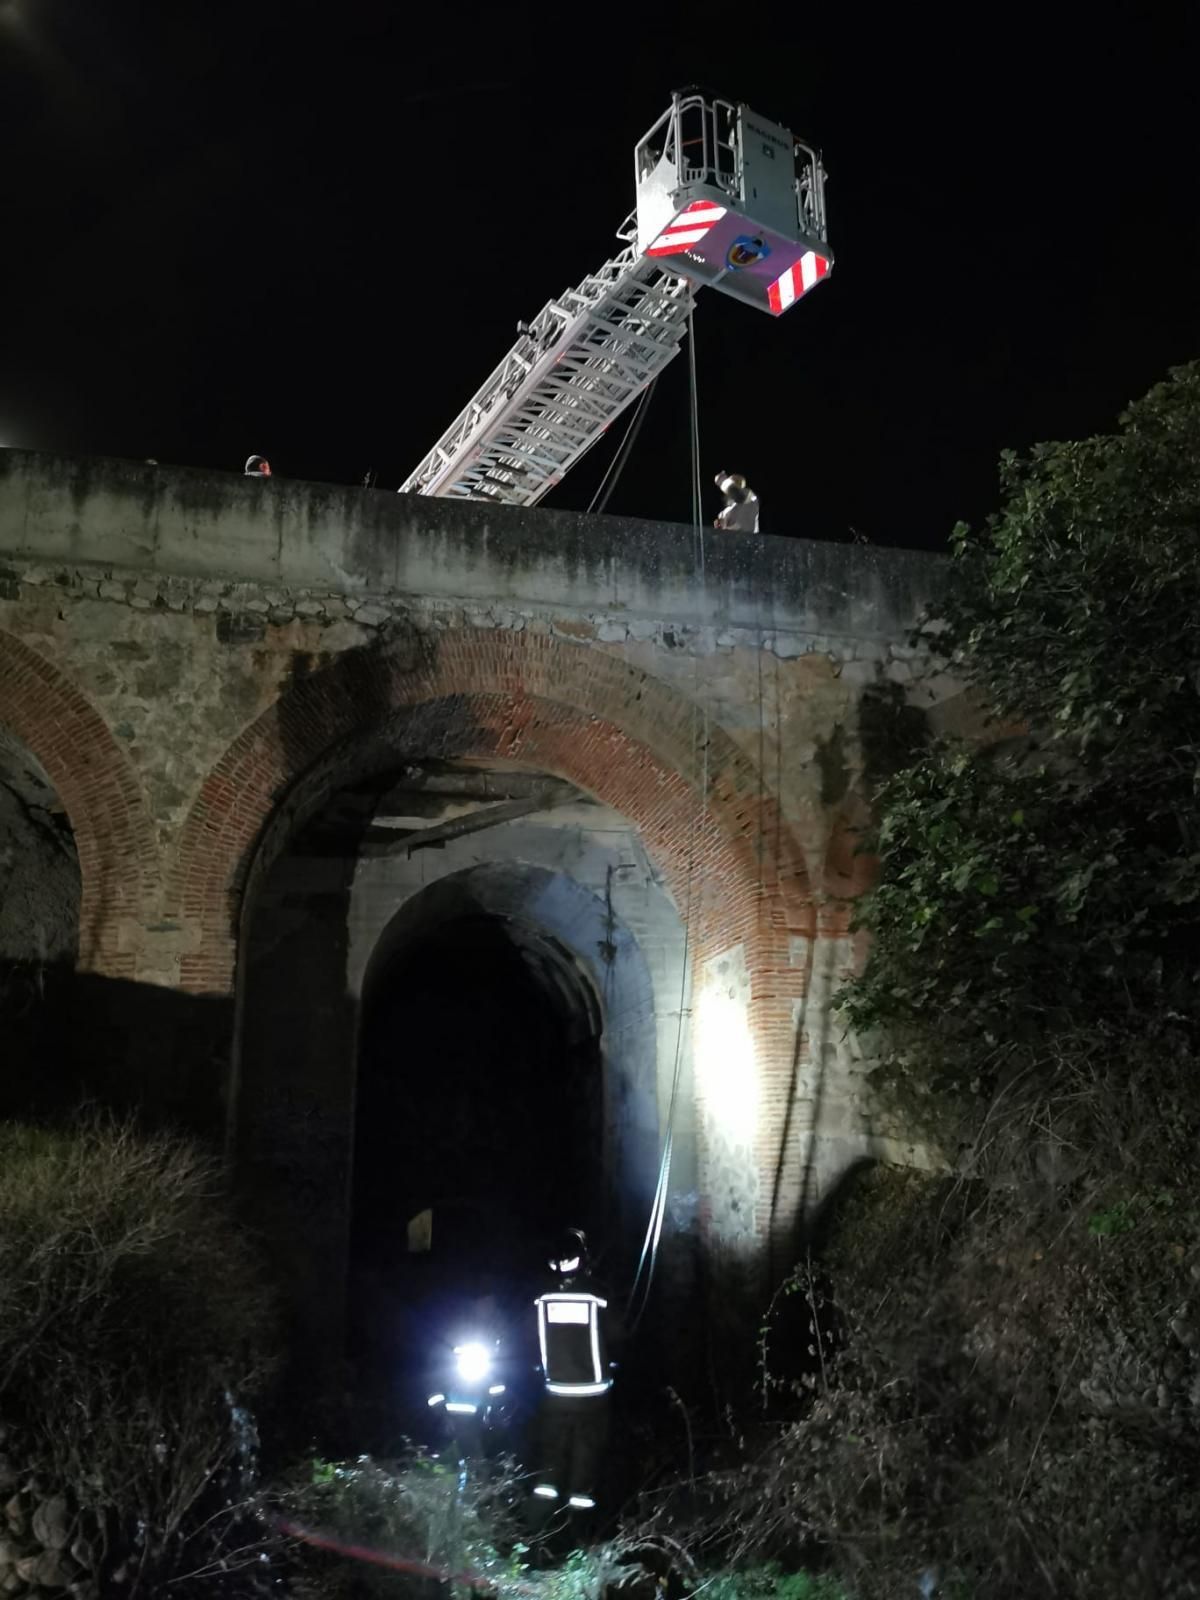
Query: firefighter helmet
x,y
570,1252
732,485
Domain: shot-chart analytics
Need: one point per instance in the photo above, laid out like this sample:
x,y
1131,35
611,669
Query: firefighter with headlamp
x,y
577,1379
472,1391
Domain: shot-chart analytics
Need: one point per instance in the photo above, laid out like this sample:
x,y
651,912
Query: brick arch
x,y
102,797
573,710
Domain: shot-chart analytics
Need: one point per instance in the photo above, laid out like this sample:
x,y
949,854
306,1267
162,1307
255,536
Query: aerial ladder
x,y
724,199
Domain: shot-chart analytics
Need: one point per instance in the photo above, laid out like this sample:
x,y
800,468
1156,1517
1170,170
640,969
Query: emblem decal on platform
x,y
745,250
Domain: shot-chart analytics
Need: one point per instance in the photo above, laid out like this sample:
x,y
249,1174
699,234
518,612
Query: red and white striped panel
x,y
797,280
688,228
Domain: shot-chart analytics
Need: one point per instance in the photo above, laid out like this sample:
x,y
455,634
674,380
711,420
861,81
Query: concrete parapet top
x,y
95,511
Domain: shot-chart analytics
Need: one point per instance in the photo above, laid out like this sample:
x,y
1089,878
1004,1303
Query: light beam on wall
x,y
726,1065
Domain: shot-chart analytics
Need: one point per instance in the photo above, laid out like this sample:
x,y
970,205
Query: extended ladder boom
x,y
572,371
724,198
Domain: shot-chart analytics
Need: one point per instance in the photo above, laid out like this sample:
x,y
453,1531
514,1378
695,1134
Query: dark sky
x,y
310,230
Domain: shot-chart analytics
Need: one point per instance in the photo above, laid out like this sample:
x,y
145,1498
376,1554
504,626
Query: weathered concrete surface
x,y
202,662
319,540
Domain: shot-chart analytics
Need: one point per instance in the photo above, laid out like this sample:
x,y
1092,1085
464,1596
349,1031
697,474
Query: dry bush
x,y
134,1326
1015,1408
426,1526
1004,1398
412,1510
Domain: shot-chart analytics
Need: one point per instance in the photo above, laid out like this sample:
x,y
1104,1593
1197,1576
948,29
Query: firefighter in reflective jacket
x,y
739,514
577,1380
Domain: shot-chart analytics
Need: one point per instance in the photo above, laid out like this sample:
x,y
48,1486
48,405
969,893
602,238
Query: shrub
x,y
134,1325
1017,1408
411,1512
771,1581
1015,1404
426,1528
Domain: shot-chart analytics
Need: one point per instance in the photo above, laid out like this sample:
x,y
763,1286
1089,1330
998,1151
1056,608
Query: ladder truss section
x,y
571,373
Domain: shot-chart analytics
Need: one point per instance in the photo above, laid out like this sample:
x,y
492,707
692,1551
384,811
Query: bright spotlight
x,y
473,1361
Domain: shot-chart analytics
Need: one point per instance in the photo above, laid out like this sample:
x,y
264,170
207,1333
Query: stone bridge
x,y
286,740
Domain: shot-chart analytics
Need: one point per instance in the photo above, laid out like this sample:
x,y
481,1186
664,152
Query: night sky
x,y
310,230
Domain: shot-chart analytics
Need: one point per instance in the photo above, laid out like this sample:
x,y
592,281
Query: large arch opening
x,y
91,1011
39,928
292,860
74,754
40,882
718,844
460,993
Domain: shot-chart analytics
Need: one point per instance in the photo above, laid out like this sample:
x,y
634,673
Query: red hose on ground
x,y
380,1558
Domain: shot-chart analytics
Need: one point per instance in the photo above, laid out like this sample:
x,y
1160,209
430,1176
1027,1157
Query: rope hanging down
x,y
648,1260
617,465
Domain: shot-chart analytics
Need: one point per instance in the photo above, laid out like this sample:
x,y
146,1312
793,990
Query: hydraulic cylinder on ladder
x,y
724,199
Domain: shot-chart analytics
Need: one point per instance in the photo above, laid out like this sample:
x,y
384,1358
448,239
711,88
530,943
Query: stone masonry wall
x,y
198,661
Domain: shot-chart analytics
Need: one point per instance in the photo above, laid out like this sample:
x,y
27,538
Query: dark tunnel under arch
x,y
587,965
506,1088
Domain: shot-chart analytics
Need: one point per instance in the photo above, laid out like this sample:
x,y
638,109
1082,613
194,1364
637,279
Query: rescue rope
x,y
617,465
648,1260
